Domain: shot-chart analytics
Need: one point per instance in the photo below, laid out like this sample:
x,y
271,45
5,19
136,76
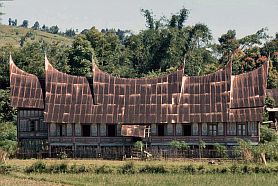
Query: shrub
x,y
58,168
225,170
153,169
234,168
5,169
221,150
201,169
190,169
246,169
62,155
104,169
127,168
78,169
38,167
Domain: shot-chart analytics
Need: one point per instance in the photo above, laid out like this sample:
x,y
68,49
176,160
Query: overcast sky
x,y
245,16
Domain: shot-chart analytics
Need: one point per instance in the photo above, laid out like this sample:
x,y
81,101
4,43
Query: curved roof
x,y
248,94
68,98
206,98
26,91
171,98
137,100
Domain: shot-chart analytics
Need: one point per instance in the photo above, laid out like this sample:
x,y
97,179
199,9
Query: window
x,y
252,128
241,129
231,129
186,130
86,130
161,130
32,126
61,130
212,129
111,130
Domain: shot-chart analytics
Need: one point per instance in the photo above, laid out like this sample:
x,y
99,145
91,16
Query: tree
x,y
25,24
54,29
36,26
8,141
177,20
221,150
30,57
70,33
7,113
80,57
149,18
202,146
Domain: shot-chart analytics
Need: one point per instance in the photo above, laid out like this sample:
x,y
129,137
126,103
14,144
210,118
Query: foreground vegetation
x,y
101,172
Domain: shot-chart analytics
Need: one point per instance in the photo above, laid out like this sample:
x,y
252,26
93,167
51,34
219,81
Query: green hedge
x,y
130,168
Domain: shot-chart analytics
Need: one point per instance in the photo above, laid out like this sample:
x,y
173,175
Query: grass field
x,y
11,36
19,177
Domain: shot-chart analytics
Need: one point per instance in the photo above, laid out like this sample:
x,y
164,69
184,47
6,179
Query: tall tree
x,y
25,23
80,55
36,26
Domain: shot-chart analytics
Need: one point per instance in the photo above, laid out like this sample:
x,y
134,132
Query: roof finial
x,y
93,62
10,58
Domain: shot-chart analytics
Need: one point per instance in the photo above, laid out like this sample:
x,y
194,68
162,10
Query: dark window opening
x,y
32,126
186,130
111,130
61,130
161,130
212,129
241,130
86,130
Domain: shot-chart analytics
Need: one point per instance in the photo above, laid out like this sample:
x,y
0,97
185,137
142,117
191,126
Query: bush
x,y
5,169
202,169
190,169
38,167
78,169
62,155
153,169
104,169
58,168
246,169
127,168
234,168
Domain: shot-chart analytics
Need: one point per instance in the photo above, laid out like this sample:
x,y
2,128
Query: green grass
x,y
138,178
152,179
10,36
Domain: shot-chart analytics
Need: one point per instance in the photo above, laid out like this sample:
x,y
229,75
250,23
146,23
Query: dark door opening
x,y
111,130
135,139
187,130
271,116
160,130
86,130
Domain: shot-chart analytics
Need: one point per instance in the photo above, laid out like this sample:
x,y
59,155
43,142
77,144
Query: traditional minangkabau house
x,y
89,117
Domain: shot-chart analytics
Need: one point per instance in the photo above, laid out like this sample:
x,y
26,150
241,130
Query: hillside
x,y
12,35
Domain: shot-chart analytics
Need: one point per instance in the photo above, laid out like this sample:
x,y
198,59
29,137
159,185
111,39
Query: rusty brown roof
x,y
172,98
26,91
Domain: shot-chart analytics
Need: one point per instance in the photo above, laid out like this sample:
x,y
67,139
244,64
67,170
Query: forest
x,y
164,45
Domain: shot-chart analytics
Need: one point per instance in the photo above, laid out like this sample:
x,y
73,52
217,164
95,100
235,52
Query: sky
x,y
245,16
